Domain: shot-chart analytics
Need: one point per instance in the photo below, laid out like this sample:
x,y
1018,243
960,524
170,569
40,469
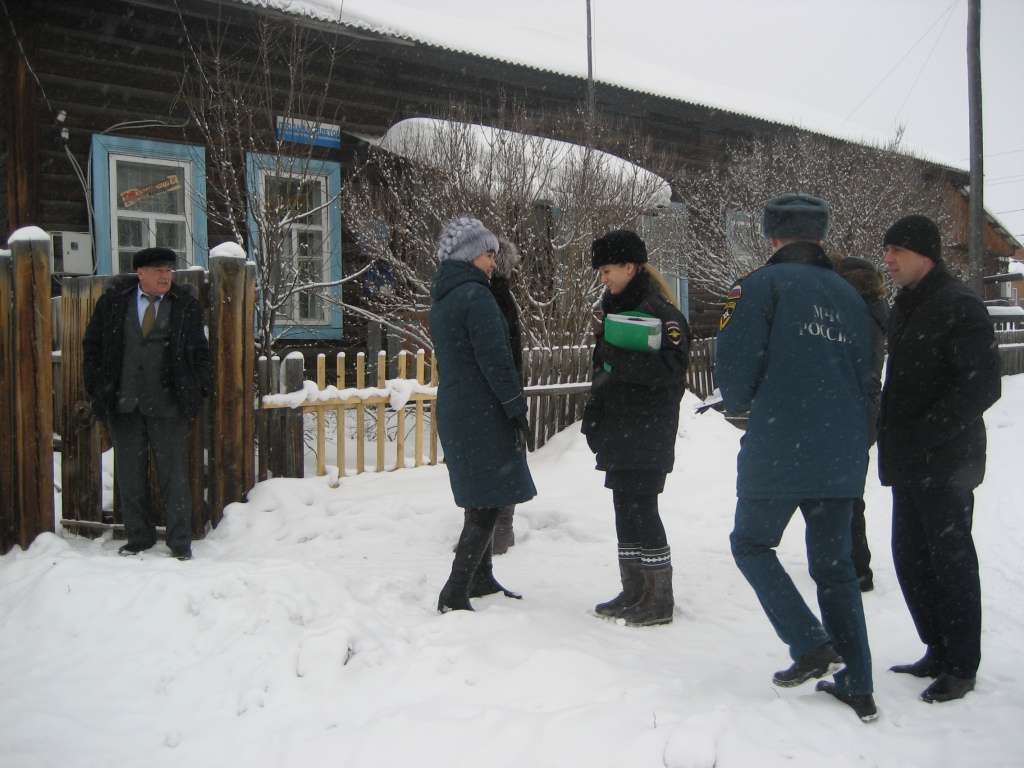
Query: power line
x,y
897,64
927,59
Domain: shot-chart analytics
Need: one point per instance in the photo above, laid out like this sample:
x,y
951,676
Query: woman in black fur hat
x,y
631,420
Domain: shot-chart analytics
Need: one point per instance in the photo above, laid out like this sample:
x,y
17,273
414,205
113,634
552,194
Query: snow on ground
x,y
304,633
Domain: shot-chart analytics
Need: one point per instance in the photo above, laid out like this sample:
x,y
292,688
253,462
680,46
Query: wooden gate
x,y
221,456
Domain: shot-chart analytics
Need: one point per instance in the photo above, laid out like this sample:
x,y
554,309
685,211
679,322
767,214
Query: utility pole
x,y
591,100
976,253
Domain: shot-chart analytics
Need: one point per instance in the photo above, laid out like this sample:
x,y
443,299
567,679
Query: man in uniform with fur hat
x,y
943,374
794,348
146,368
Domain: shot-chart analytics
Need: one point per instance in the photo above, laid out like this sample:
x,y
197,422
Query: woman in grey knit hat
x,y
481,410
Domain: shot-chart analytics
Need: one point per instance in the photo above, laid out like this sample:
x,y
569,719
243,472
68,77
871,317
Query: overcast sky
x,y
840,65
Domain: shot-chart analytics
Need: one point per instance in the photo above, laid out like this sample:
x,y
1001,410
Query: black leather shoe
x,y
948,687
928,666
861,703
823,660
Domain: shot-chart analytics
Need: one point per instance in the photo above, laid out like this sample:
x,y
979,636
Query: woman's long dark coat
x,y
478,392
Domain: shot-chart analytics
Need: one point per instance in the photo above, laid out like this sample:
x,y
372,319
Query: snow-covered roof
x,y
550,160
552,51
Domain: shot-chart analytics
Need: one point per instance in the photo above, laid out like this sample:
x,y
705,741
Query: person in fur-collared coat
x,y
507,260
868,282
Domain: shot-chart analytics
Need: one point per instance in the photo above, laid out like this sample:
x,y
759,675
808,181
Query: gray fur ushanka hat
x,y
796,216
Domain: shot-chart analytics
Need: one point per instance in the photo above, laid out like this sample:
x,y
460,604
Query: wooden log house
x,y
92,103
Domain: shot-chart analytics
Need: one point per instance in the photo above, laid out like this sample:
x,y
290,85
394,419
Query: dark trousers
x,y
937,567
859,551
758,530
132,436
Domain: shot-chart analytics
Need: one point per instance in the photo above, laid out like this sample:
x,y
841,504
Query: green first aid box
x,y
635,331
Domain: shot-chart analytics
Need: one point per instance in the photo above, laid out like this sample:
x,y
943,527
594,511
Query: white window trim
x,y
190,156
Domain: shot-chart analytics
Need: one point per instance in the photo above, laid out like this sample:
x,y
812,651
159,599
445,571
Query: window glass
x,y
150,208
304,240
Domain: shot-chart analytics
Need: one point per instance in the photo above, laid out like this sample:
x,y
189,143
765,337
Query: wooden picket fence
x,y
280,426
1011,350
355,423
380,430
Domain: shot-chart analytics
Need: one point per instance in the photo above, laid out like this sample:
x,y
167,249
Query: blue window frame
x,y
307,191
145,194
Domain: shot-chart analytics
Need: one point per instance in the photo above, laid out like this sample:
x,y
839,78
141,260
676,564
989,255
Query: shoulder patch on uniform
x,y
735,292
674,332
727,313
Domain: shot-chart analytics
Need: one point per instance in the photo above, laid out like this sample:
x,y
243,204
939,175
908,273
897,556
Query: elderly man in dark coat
x,y
146,367
943,374
794,348
481,410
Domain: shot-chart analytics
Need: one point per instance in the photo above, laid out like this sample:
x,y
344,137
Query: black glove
x,y
522,428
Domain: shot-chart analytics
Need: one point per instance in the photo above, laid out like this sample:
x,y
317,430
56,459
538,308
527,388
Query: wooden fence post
x,y
232,306
293,377
263,417
82,436
8,479
33,383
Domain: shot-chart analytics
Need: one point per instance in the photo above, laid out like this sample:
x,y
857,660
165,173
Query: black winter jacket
x,y
878,311
191,369
943,374
632,416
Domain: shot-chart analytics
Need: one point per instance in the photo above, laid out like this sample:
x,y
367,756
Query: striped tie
x,y
149,316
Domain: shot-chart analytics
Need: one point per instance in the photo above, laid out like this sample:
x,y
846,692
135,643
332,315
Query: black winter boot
x,y
473,541
632,590
483,582
930,665
504,536
817,662
657,603
948,687
863,704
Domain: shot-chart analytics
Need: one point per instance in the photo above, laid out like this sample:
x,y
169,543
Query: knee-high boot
x,y
483,581
473,541
504,536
